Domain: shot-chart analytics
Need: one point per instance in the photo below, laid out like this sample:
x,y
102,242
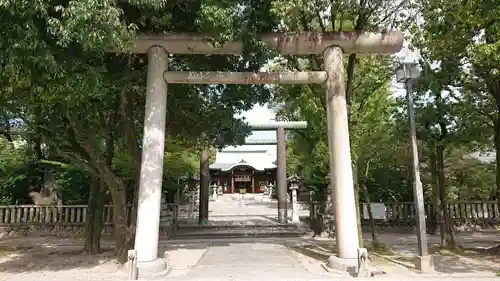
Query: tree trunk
x,y
123,234
434,217
368,202
447,239
37,139
38,152
370,213
497,151
124,229
356,187
95,211
127,117
358,216
97,198
204,186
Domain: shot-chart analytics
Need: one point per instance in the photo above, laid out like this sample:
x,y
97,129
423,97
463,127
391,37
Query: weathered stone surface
x,y
248,261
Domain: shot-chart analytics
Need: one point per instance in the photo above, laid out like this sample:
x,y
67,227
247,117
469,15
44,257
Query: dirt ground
x,y
476,255
50,258
51,262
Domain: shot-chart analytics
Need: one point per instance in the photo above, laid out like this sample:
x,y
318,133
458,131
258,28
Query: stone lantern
x,y
294,181
270,188
329,216
214,192
329,194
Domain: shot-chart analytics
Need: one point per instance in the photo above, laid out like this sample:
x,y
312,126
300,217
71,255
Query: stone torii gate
x,y
281,181
331,46
280,128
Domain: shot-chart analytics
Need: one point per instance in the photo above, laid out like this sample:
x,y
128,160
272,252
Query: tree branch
x,y
129,128
363,101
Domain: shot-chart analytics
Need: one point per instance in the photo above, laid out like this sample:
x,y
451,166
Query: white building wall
x,y
254,154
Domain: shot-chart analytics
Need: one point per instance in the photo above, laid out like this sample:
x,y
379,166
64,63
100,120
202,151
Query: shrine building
x,y
244,169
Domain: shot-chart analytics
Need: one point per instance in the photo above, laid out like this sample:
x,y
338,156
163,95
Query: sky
x,y
262,114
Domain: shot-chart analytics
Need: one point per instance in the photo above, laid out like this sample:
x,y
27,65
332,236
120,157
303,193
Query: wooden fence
x,y
459,210
65,214
77,214
404,211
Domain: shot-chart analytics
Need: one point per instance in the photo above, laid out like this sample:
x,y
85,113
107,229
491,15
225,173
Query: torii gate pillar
x,y
346,228
151,179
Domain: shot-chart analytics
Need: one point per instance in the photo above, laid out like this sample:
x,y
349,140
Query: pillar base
x,y
424,263
151,270
282,218
342,264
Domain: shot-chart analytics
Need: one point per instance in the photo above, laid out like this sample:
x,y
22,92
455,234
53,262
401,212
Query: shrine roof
x,y
259,158
229,166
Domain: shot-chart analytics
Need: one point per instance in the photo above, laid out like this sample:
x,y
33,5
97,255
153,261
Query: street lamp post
x,y
407,73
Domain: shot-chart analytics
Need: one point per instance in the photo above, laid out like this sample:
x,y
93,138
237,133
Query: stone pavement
x,y
248,208
239,261
248,261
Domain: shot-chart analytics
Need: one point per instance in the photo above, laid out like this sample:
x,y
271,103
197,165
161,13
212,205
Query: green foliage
x,y
373,147
74,184
469,178
68,90
461,40
14,173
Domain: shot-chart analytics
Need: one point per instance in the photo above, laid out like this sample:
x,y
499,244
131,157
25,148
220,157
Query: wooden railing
x,y
65,214
77,214
458,210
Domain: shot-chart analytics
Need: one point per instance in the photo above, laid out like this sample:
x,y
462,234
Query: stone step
x,y
229,235
208,227
231,231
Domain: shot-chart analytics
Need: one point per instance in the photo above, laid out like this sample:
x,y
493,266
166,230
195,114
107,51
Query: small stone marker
x,y
363,263
132,261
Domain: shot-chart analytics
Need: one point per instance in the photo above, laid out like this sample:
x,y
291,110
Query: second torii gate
x,y
330,45
280,128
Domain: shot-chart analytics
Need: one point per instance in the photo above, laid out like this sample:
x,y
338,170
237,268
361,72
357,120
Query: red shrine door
x,y
243,182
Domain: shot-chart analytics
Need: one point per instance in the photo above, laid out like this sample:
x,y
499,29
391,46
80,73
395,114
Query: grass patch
x,y
450,251
409,261
6,250
470,252
312,251
381,248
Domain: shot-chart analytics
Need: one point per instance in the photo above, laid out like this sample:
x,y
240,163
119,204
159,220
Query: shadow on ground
x,y
470,260
59,254
52,256
312,251
48,257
